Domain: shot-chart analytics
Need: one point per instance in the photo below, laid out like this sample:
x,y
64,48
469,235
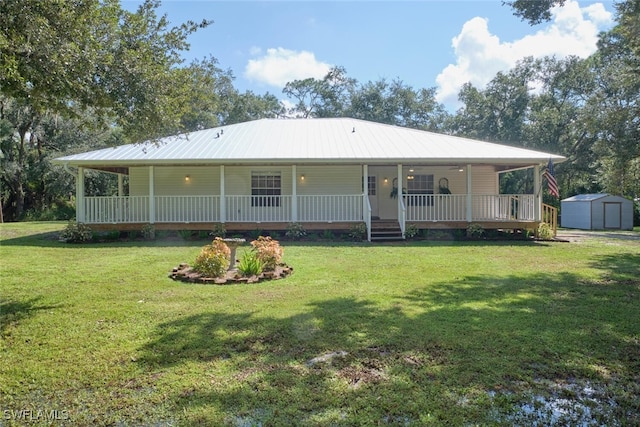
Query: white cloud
x,y
480,54
280,66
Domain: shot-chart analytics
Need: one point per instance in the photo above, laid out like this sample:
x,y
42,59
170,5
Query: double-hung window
x,y
266,188
421,189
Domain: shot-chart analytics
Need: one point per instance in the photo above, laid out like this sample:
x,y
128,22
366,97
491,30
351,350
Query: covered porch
x,y
305,194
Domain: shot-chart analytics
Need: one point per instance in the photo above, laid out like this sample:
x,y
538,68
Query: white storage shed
x,y
596,212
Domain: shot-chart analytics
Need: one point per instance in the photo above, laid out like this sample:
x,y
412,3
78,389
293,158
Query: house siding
x,y
324,180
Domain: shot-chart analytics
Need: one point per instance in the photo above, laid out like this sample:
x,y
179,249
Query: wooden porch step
x,y
385,230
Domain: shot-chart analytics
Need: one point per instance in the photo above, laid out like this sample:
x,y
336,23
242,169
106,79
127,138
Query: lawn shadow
x,y
354,361
15,311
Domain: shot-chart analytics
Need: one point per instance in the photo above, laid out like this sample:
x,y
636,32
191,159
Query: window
x,y
266,188
371,183
421,189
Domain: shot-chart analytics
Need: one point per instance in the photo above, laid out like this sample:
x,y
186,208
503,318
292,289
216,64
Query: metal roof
x,y
332,140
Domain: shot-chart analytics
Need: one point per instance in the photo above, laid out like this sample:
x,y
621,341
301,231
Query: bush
x,y
148,232
295,231
250,265
219,230
475,231
214,259
268,251
411,231
358,232
545,232
76,233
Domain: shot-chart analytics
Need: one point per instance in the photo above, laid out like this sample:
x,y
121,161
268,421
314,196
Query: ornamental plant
x,y
76,232
268,251
213,259
249,264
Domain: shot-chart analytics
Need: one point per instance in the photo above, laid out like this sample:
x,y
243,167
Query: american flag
x,y
551,180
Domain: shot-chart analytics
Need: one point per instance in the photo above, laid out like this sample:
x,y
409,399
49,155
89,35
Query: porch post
x,y
152,197
366,211
223,202
120,185
80,214
401,212
537,193
469,195
294,193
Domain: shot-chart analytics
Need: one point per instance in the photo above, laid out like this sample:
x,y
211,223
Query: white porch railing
x,y
258,208
116,209
503,207
187,208
436,207
319,208
453,207
338,208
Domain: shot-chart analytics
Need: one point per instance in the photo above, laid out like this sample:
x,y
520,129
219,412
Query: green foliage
x,y
545,232
327,235
475,231
76,233
295,231
268,252
411,231
148,232
214,259
434,334
219,230
250,264
186,234
358,232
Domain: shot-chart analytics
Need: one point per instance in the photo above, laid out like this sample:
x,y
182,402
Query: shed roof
x,y
331,140
592,197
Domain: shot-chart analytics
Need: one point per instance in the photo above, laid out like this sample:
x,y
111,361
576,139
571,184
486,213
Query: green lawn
x,y
496,333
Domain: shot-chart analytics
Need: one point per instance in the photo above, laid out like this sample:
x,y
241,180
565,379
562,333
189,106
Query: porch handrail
x,y
550,216
330,208
367,214
402,220
116,209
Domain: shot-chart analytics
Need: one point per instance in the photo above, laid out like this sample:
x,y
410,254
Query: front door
x,y
381,180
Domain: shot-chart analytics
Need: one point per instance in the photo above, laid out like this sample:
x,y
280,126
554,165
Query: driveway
x,y
573,235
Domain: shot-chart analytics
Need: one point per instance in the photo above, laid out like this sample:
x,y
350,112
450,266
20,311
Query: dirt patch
x,y
185,273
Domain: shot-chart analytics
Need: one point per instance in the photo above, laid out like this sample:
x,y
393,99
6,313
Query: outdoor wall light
x,y
187,178
386,180
302,177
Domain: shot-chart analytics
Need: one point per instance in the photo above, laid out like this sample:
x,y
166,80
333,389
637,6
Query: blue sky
x,y
425,44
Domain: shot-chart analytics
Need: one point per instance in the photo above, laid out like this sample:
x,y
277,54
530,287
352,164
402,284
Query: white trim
x,y
223,204
469,195
152,199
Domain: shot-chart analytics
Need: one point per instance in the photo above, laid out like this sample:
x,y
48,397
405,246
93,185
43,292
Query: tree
x,y
327,97
60,59
533,11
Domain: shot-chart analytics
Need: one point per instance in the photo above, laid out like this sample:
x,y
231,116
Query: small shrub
x,y
295,231
475,231
148,232
328,235
76,233
185,234
219,231
545,232
249,264
358,232
268,251
411,231
214,259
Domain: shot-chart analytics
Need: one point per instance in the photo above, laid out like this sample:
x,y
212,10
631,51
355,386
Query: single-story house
x,y
324,173
597,212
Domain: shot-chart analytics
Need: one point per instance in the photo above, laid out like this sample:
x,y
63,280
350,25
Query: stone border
x,y
185,273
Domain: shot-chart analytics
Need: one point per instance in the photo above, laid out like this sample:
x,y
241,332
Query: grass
x,y
491,333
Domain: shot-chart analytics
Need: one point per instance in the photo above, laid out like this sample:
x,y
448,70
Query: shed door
x,y
613,215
